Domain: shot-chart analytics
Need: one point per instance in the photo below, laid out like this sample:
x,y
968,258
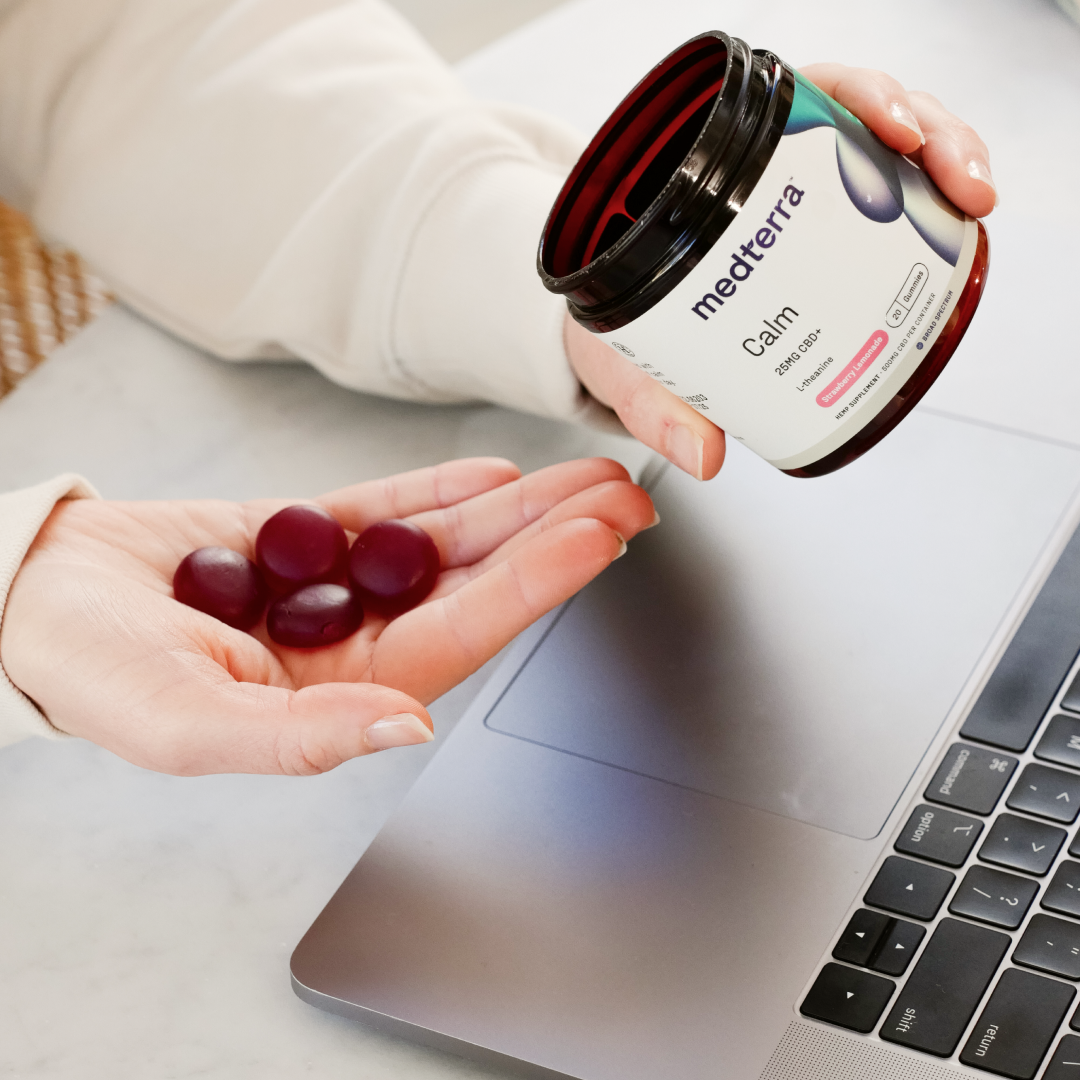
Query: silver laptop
x,y
788,792
791,791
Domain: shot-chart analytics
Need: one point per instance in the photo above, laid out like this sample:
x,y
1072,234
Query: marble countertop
x,y
146,922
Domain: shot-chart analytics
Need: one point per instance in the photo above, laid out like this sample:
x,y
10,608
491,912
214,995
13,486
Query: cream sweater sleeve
x,y
293,178
22,513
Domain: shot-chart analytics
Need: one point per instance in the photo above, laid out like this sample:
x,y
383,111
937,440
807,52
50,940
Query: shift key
x,y
945,987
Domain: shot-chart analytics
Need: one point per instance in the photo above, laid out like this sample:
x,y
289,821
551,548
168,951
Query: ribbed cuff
x,y
22,513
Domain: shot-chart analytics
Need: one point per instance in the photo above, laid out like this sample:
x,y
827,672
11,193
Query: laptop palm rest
x,y
795,645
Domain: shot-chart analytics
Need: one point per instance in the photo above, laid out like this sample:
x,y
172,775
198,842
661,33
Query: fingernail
x,y
622,547
655,520
979,170
401,730
686,448
903,115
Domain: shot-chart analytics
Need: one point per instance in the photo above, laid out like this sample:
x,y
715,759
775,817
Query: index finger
x,y
955,157
877,99
405,494
918,125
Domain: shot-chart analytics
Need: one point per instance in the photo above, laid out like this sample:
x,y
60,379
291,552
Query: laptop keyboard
x,y
975,913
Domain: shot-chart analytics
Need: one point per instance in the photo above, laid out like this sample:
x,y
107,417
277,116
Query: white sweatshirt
x,y
274,179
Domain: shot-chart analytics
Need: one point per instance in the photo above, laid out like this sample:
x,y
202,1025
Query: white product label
x,y
820,299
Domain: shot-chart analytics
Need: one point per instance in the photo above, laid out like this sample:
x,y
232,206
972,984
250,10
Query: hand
x,y
954,156
918,126
93,635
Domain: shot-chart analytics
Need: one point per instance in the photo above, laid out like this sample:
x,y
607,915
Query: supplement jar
x,y
746,241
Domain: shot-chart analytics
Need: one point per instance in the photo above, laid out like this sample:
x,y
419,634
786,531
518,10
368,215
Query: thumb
x,y
330,723
251,728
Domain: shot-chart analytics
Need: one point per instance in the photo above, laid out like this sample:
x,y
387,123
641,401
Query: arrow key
x,y
909,888
1022,844
898,947
1048,793
848,997
858,942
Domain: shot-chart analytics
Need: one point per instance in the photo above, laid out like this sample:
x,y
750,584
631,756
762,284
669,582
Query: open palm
x,y
93,635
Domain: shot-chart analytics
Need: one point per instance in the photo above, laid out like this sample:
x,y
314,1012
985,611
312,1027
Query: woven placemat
x,y
46,295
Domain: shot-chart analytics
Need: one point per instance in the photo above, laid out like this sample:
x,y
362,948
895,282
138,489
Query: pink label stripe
x,y
866,356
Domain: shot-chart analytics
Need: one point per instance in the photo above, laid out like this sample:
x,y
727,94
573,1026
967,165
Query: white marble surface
x,y
146,922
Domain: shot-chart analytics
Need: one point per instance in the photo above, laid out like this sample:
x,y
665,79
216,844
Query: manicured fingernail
x,y
401,730
903,115
655,520
979,170
622,547
686,448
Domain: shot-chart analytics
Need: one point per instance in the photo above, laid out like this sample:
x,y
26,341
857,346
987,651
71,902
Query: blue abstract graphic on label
x,y
881,184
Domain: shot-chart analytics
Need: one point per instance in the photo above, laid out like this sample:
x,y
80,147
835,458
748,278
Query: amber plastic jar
x,y
746,241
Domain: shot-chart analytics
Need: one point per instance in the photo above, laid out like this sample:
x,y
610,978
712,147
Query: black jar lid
x,y
663,178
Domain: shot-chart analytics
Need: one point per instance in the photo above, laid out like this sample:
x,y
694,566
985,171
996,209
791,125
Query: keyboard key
x,y
1021,844
944,988
1051,945
1071,700
939,835
1018,1024
861,937
971,779
1036,662
1048,793
1074,847
898,947
1061,742
909,888
848,998
993,897
1063,892
1065,1064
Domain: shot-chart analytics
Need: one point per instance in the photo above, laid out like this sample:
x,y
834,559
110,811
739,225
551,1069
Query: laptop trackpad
x,y
794,645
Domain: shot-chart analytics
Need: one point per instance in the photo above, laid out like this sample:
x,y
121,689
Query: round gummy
x,y
314,615
301,545
222,583
393,566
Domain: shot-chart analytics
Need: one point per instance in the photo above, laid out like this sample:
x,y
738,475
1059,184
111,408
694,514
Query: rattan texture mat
x,y
46,295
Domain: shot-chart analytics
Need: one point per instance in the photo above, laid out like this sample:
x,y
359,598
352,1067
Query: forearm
x,y
294,179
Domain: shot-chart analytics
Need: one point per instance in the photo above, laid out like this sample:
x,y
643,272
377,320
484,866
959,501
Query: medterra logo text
x,y
752,252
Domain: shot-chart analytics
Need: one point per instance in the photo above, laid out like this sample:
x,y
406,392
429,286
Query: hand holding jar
x,y
914,124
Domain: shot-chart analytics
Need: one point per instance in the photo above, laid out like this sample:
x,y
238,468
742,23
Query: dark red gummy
x,y
222,583
393,566
314,615
301,545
